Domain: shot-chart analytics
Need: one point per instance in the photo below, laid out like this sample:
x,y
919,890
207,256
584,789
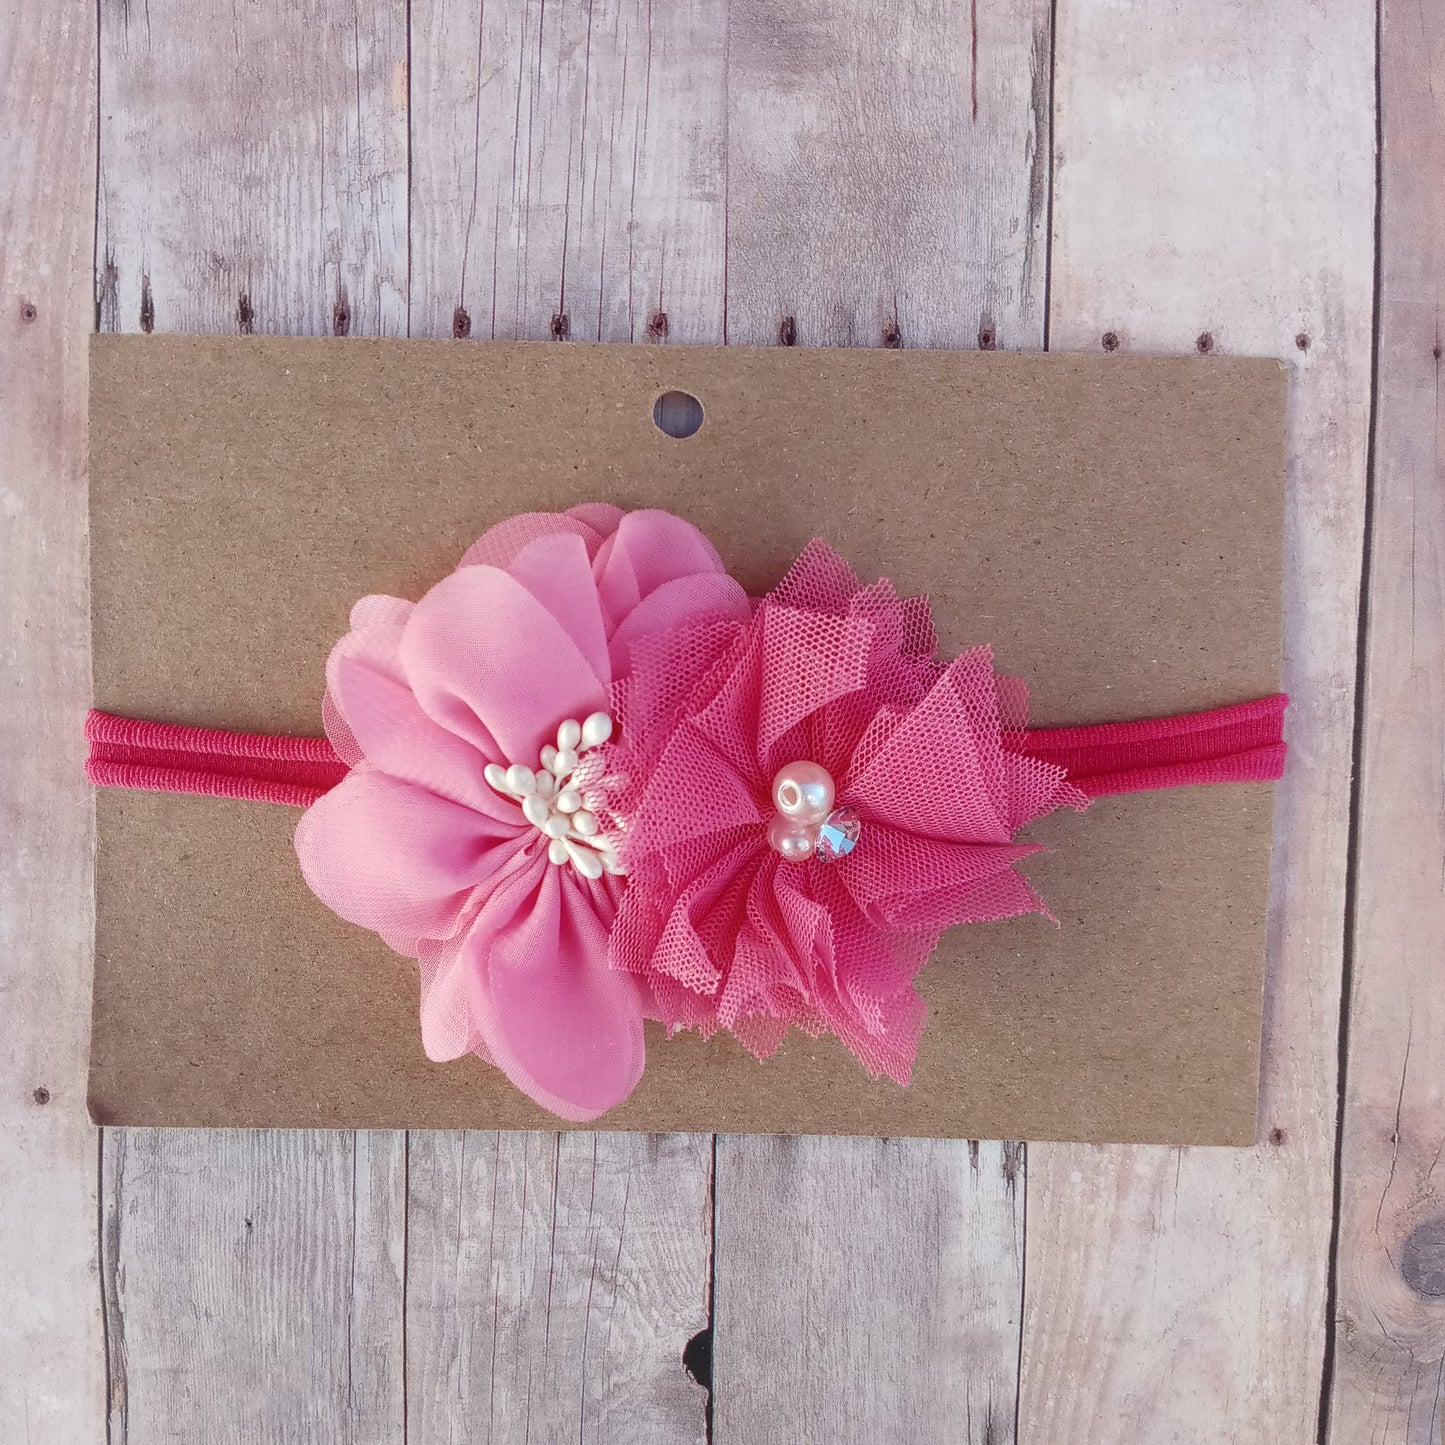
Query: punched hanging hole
x,y
677,413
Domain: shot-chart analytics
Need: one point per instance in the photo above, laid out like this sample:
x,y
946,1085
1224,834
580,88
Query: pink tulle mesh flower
x,y
425,845
723,931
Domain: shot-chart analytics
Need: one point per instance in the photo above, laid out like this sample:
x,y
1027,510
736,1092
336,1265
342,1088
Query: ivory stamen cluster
x,y
551,802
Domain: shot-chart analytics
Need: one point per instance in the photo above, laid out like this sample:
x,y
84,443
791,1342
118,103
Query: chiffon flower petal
x,y
380,720
416,844
396,858
560,1023
489,662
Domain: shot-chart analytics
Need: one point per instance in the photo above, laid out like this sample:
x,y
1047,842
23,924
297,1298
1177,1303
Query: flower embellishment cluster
x,y
806,824
736,821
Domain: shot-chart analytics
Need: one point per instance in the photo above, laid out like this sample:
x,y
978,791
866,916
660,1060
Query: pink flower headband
x,y
587,781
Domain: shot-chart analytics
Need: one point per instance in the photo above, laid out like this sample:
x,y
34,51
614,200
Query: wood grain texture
x,y
553,1283
1214,189
253,167
253,178
887,172
870,1289
254,1286
567,182
1389,1363
52,1375
867,1289
568,169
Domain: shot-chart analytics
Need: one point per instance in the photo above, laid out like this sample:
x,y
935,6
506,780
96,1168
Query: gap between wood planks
x,y
1357,748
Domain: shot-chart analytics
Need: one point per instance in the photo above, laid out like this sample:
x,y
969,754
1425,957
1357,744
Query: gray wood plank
x,y
52,1385
888,172
886,186
567,182
1214,189
867,1289
253,178
1389,1361
568,172
253,167
253,1285
553,1283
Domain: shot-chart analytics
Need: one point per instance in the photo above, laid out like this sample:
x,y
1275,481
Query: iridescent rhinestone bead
x,y
837,835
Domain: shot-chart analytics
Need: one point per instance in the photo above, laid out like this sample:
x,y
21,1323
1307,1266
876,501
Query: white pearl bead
x,y
556,827
557,852
584,860
546,784
520,780
791,840
596,730
496,776
584,823
549,756
569,735
564,762
804,792
536,809
569,800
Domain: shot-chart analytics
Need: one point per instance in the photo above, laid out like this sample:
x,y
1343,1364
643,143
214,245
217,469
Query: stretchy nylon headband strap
x,y
1238,744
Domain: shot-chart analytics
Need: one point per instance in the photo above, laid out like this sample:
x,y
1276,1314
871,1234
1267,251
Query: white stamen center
x,y
553,802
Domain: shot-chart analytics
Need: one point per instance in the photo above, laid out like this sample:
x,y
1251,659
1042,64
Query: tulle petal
x,y
901,880
810,662
941,771
681,603
498,545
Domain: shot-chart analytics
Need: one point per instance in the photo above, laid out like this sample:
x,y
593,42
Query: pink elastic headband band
x,y
1240,744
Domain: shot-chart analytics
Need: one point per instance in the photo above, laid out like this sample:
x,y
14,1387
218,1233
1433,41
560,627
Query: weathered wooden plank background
x,y
1214,189
1107,174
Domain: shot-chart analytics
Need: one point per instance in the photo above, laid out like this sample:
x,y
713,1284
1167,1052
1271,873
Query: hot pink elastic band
x,y
166,758
1240,744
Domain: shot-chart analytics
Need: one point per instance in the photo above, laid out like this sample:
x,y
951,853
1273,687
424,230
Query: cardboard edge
x,y
101,343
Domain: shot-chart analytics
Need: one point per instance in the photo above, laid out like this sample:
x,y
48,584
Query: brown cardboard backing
x,y
1111,525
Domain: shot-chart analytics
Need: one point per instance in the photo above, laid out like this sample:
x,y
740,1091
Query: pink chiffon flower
x,y
722,930
536,627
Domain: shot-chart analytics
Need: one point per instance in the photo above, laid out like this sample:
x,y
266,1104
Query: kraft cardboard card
x,y
1111,526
